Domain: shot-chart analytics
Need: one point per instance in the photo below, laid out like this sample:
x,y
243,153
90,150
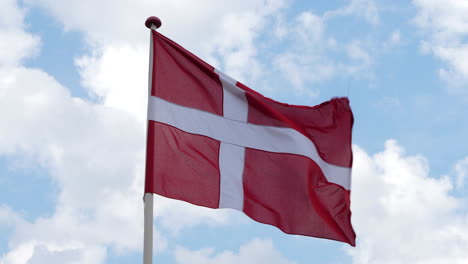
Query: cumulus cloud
x,y
315,55
119,40
75,142
118,77
446,26
228,43
99,173
253,252
15,44
309,29
175,215
93,152
402,214
36,253
111,21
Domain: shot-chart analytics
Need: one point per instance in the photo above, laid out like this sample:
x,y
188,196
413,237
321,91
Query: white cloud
x,y
113,21
299,70
8,217
461,169
317,56
119,77
15,44
20,255
33,252
99,184
364,8
446,25
307,62
93,152
99,172
175,215
253,252
43,255
360,58
235,45
119,40
395,38
401,214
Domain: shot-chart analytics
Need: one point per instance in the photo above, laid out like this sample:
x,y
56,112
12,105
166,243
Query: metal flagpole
x,y
152,23
148,227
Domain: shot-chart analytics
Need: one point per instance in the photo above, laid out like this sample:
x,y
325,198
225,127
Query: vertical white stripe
x,y
231,157
231,166
234,101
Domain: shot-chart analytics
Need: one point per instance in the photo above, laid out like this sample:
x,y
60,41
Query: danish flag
x,y
214,142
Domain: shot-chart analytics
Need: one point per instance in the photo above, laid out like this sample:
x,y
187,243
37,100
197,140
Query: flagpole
x,y
153,23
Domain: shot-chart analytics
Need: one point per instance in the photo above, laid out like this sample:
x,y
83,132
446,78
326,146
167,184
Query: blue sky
x,y
73,82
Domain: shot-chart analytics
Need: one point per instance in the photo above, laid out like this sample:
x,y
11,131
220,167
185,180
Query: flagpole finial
x,y
152,20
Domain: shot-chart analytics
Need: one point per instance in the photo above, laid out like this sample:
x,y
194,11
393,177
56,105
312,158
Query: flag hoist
x,y
153,23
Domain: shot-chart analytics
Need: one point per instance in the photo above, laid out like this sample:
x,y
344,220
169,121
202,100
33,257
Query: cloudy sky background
x,y
73,83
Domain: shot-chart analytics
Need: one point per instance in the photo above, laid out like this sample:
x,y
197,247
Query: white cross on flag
x,y
214,142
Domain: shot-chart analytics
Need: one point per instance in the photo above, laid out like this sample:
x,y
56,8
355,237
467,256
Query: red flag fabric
x,y
214,142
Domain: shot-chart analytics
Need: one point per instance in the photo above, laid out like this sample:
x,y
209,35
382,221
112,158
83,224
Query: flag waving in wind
x,y
214,142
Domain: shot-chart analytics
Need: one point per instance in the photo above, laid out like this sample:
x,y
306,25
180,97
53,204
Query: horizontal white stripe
x,y
267,138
